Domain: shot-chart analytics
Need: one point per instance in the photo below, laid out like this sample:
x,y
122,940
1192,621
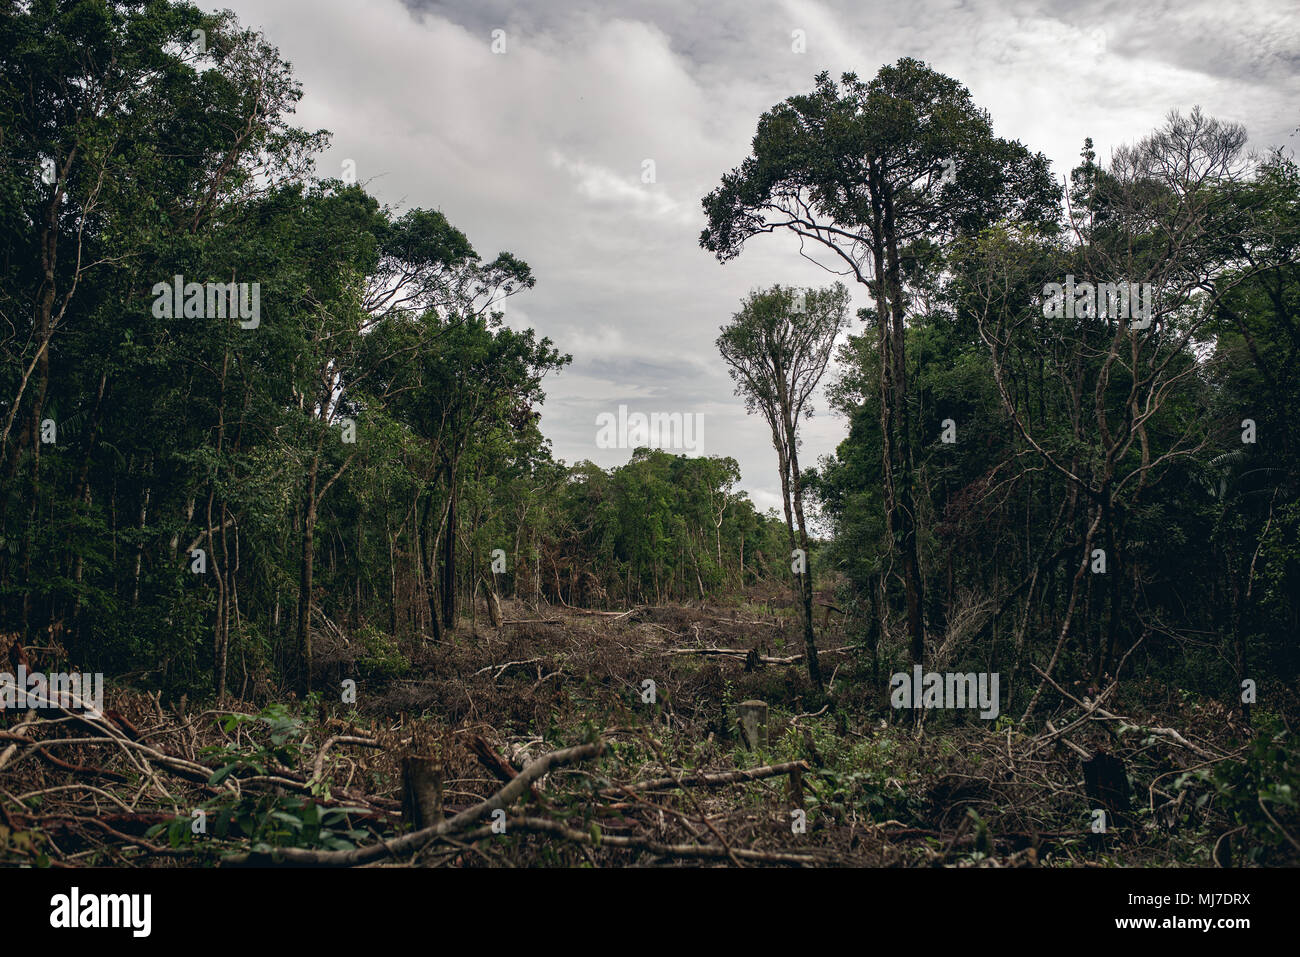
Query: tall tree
x,y
880,175
777,347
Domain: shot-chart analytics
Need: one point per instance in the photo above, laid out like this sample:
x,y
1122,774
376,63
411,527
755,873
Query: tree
x,y
1134,410
881,175
777,348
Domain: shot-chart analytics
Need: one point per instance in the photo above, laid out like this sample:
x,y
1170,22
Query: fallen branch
x,y
794,722
705,779
1068,743
9,751
490,759
502,668
742,654
705,851
410,843
1094,708
318,768
38,748
1269,814
612,615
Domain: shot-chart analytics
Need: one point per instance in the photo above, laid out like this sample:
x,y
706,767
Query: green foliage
x,y
266,819
275,738
859,777
1262,793
19,847
383,656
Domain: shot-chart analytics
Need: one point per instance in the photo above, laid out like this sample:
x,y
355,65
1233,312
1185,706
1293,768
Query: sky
x,y
541,147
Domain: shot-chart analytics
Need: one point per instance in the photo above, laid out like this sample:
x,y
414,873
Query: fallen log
x,y
604,614
491,760
501,669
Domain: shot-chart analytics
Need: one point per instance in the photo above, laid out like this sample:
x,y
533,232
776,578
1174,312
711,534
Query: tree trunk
x,y
900,418
449,559
305,579
806,583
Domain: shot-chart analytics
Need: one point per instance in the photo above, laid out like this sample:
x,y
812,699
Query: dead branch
x,y
705,779
742,654
318,768
702,851
412,842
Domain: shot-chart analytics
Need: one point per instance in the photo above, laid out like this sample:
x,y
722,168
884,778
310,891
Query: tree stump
x,y
795,788
421,791
752,716
1105,781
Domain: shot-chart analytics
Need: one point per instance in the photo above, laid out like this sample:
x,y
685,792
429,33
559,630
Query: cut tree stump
x,y
421,791
752,716
1105,781
795,788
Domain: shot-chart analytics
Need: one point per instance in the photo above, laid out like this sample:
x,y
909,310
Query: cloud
x,y
601,185
539,150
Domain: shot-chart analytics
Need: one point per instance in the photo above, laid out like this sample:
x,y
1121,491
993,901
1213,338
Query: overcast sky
x,y
540,150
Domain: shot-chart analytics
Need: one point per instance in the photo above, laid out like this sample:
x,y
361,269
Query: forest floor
x,y
550,748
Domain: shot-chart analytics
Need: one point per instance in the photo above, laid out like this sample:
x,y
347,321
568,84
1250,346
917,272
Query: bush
x,y
1259,794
